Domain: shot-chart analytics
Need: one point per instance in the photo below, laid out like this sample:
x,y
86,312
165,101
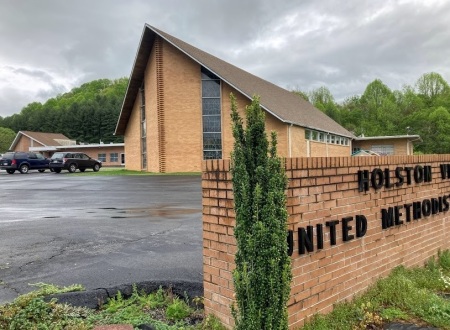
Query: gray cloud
x,y
34,74
54,45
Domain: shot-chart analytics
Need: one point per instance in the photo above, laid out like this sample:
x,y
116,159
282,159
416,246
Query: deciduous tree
x,y
6,138
431,86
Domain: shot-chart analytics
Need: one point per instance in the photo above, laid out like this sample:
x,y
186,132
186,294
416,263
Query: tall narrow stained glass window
x,y
211,114
143,129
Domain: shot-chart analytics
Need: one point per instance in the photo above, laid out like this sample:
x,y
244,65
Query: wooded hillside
x,y
87,113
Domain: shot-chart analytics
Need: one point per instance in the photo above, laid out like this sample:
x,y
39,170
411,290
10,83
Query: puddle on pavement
x,y
163,211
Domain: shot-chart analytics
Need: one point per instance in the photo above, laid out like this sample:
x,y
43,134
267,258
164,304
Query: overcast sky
x,y
48,47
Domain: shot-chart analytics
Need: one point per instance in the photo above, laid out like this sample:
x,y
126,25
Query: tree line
x,y
89,113
86,114
422,109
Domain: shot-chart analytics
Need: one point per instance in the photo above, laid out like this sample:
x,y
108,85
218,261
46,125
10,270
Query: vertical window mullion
x,y
143,128
211,114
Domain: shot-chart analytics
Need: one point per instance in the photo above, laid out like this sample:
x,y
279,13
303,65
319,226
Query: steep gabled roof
x,y
46,139
281,103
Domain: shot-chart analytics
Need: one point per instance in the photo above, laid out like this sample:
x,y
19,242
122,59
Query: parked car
x,y
71,161
23,162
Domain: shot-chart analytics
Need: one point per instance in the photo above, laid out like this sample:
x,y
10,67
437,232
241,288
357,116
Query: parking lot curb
x,y
96,298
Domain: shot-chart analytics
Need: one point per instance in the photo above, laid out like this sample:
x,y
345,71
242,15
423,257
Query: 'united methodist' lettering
x,y
306,235
395,216
379,178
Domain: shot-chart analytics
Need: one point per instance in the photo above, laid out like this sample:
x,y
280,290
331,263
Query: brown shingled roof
x,y
46,139
283,104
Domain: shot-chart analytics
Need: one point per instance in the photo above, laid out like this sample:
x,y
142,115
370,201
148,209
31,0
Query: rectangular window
x,y
142,94
211,115
114,157
383,150
143,128
102,157
307,134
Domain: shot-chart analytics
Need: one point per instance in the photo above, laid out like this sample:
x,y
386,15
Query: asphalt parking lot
x,y
98,231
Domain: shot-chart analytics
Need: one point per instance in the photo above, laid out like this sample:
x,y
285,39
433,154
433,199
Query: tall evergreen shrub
x,y
263,271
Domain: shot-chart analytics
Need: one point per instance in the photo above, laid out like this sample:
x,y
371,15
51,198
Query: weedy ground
x,y
161,309
418,295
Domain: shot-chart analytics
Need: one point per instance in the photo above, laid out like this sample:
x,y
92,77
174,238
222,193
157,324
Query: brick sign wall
x,y
351,220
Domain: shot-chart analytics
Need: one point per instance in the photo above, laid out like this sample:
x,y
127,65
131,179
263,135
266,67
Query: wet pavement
x,y
98,231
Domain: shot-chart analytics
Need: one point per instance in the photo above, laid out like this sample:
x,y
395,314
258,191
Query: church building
x,y
176,111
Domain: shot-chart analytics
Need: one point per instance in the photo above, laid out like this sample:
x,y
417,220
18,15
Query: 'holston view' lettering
x,y
379,178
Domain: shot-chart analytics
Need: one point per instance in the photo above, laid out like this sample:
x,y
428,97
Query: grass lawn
x,y
418,295
121,171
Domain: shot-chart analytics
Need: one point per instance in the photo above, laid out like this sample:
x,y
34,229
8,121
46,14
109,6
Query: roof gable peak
x,y
281,103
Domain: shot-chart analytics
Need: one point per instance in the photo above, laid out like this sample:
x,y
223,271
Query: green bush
x,y
263,270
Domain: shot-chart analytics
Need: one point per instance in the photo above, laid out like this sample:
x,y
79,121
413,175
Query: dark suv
x,y
72,161
23,162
